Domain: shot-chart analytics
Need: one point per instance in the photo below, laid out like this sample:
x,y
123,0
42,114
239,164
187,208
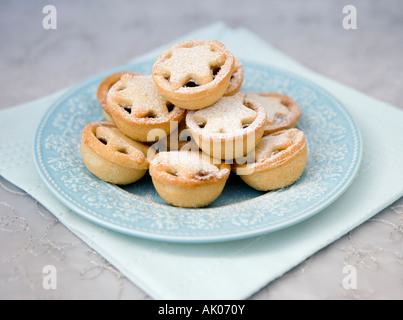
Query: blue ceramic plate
x,y
334,145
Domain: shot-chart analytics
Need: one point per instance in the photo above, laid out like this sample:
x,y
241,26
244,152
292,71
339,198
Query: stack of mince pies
x,y
189,125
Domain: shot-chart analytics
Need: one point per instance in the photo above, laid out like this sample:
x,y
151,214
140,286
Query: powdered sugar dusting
x,y
116,141
192,63
272,145
187,164
139,96
276,111
228,115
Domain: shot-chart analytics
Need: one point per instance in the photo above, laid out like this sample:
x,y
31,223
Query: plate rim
x,y
355,166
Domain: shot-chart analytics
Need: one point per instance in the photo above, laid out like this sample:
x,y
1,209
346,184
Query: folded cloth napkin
x,y
236,269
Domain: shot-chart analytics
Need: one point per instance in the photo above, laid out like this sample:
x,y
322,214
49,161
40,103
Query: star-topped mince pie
x,y
104,88
280,160
140,111
230,128
282,112
112,156
188,179
194,74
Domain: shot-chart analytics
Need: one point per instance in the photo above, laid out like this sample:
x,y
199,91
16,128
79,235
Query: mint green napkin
x,y
237,269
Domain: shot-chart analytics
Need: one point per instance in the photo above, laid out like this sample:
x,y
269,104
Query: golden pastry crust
x,y
112,156
280,160
236,79
140,111
104,88
230,128
188,179
194,74
282,111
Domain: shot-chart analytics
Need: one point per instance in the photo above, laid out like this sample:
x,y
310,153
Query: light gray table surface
x,y
93,36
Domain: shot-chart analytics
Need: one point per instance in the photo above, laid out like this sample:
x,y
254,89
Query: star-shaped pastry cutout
x,y
271,145
141,98
116,141
227,115
187,164
274,107
191,64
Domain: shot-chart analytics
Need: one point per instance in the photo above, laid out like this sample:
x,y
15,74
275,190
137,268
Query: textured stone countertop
x,y
93,35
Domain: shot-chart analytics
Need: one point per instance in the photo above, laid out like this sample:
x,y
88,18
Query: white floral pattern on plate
x,y
334,145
